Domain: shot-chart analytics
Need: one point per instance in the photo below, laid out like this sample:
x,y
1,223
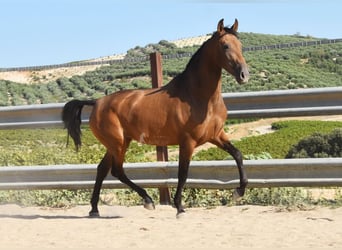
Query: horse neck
x,y
204,75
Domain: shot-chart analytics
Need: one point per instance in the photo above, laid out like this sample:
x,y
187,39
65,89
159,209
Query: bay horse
x,y
189,111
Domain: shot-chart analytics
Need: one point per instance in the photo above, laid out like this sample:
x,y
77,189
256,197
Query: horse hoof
x,y
180,214
237,195
94,214
149,206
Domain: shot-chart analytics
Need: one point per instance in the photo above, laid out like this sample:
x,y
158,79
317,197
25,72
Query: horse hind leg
x,y
185,153
108,162
102,171
118,172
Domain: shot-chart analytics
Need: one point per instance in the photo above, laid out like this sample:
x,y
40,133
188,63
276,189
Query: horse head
x,y
230,52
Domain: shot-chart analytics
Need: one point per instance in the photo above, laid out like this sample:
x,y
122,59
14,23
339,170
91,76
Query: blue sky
x,y
40,32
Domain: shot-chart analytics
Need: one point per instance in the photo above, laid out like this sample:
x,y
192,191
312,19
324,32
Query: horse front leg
x,y
224,143
233,151
185,153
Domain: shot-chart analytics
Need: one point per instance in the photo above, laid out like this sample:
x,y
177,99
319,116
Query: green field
x,y
48,146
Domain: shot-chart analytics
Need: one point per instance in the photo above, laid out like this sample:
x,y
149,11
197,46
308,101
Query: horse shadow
x,y
55,217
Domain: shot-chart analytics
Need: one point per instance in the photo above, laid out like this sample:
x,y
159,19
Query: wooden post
x,y
162,154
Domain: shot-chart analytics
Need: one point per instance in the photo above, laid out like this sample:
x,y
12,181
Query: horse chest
x,y
209,112
210,124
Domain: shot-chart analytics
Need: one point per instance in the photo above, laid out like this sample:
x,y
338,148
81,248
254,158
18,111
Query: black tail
x,y
71,116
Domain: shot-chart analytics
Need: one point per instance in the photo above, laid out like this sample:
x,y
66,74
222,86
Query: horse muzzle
x,y
242,74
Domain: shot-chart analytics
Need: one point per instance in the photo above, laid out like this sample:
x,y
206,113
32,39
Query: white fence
x,y
261,104
209,174
202,174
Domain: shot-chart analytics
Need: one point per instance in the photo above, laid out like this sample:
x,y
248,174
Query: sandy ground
x,y
135,227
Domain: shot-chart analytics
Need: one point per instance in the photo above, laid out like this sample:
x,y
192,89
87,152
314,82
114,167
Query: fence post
x,y
162,154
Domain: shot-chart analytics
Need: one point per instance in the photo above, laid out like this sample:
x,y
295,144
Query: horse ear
x,y
220,26
235,26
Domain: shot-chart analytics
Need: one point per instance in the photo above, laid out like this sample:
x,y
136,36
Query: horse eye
x,y
225,46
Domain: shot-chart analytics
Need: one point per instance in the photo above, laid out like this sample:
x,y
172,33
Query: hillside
x,y
46,75
300,67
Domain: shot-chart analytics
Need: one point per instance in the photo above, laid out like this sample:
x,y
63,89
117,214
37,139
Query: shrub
x,y
318,145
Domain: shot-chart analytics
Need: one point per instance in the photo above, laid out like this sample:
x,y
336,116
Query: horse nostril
x,y
242,75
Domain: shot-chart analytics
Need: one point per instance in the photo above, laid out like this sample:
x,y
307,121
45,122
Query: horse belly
x,y
158,131
155,139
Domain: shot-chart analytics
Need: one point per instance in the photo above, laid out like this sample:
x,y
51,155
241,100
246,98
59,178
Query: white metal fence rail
x,y
276,103
202,174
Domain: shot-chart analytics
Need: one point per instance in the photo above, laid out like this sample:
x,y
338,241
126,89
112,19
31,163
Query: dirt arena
x,y
135,227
